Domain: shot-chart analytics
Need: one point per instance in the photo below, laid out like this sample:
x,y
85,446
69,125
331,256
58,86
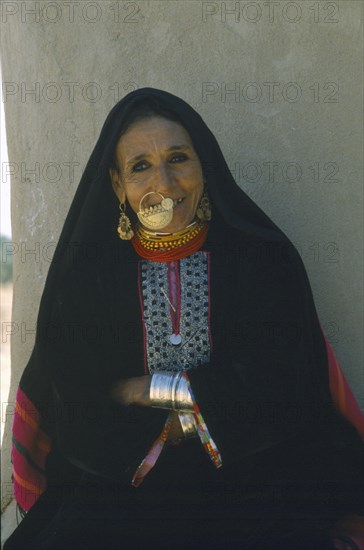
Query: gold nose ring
x,y
157,216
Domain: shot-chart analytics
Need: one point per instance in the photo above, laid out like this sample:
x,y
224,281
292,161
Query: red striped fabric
x,y
342,394
29,452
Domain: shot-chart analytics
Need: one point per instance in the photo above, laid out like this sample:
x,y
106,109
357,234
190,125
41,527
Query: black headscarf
x,y
269,351
94,205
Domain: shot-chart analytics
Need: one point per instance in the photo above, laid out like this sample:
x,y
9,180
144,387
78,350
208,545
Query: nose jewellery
x,y
157,216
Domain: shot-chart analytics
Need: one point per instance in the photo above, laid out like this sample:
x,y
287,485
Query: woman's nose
x,y
163,180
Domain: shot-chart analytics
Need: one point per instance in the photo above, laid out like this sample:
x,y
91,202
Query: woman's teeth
x,y
158,207
154,208
177,201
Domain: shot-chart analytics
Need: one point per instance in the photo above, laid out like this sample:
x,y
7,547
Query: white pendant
x,y
175,339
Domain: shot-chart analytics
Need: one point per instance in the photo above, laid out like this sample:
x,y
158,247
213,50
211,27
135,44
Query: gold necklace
x,y
151,240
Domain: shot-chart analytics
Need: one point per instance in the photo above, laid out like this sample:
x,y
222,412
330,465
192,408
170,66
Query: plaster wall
x,y
280,85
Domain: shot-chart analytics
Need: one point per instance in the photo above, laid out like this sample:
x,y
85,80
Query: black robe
x,y
291,463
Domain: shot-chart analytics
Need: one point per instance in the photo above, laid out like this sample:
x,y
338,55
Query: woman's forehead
x,y
151,134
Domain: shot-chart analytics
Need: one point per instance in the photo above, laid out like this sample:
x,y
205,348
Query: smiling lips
x,y
157,206
158,215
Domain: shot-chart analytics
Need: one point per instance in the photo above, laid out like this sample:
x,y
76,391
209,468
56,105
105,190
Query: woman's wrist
x,y
170,391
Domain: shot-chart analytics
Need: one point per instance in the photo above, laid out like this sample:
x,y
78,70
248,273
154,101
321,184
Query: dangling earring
x,y
204,208
124,227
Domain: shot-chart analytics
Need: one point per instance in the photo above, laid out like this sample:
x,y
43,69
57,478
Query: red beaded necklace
x,y
172,254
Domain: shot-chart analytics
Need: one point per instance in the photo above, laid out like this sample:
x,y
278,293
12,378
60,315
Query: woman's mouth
x,y
176,202
158,205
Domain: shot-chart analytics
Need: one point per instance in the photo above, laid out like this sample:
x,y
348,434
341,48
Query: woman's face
x,y
156,154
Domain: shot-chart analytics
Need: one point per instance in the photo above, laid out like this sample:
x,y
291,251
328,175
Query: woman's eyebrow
x,y
181,147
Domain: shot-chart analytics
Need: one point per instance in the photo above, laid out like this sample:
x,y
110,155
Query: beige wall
x,y
279,84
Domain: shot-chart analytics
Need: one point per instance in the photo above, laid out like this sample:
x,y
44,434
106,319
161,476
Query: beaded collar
x,y
161,247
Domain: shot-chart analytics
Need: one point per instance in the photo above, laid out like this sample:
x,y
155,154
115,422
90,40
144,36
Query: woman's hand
x,y
134,391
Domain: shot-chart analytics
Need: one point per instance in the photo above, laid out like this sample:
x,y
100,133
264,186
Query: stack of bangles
x,y
170,391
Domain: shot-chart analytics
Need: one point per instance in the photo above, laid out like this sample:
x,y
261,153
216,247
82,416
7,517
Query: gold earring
x,y
124,227
204,208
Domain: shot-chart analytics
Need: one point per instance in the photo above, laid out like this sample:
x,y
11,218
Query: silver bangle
x,y
170,391
183,396
160,392
188,424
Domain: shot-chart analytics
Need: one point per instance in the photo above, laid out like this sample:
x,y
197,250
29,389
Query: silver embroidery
x,y
194,349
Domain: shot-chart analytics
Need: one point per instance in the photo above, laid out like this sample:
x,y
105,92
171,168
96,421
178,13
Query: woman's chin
x,y
175,226
171,228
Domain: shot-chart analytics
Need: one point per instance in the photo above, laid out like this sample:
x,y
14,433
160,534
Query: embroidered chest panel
x,y
190,312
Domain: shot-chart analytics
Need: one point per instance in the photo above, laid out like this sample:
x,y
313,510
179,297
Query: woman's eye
x,y
139,166
142,165
179,158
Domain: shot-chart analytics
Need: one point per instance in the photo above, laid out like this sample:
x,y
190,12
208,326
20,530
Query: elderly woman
x,y
178,393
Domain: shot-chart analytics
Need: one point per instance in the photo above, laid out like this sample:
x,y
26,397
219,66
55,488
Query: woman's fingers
x,y
134,390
